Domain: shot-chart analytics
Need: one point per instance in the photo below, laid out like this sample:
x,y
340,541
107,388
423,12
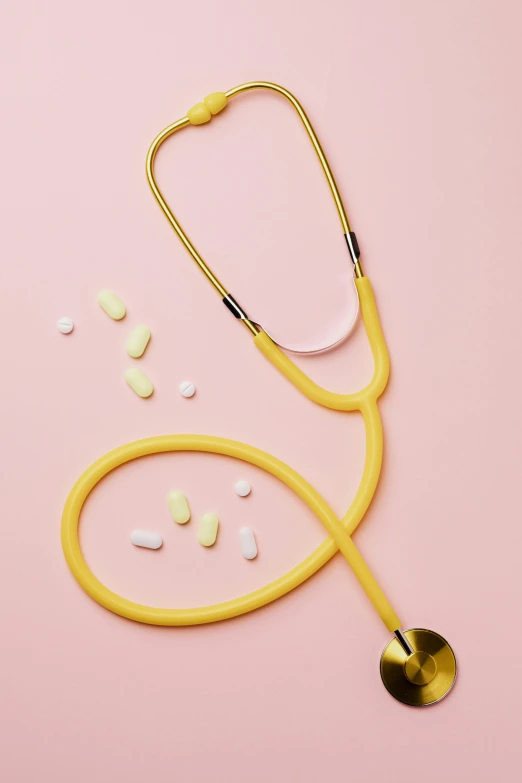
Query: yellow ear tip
x,y
199,114
216,102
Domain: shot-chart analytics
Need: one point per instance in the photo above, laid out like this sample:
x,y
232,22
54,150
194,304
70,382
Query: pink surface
x,y
418,107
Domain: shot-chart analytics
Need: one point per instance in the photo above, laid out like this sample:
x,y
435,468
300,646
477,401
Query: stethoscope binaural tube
x,y
417,666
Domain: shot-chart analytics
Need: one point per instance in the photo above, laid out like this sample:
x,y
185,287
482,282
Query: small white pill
x,y
65,325
187,389
179,507
243,488
138,341
139,382
208,528
248,543
146,538
112,304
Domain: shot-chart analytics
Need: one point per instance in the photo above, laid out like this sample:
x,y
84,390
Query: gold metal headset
x,y
418,666
202,113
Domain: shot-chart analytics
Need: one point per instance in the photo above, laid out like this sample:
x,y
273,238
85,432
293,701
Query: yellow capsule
x,y
138,341
139,382
216,102
112,304
178,507
199,114
208,528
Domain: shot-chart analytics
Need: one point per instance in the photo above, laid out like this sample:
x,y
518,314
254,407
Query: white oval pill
x,y
248,543
243,488
112,304
65,325
138,341
187,389
208,528
179,507
146,538
139,382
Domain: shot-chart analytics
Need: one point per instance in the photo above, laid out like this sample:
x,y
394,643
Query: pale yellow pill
x,y
112,304
178,507
138,341
139,382
208,528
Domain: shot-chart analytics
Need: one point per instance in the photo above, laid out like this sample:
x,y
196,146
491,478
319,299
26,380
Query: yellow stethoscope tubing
x,y
364,401
339,530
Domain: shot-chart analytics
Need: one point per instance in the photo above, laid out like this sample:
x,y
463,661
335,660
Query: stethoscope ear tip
x,y
423,677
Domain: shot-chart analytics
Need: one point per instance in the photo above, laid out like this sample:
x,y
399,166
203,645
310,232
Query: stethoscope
x,y
417,666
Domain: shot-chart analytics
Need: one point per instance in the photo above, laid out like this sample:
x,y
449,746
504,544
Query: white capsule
x,y
243,488
146,539
187,389
248,543
65,325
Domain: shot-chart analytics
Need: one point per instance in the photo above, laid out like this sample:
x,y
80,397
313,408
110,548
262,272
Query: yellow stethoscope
x,y
417,666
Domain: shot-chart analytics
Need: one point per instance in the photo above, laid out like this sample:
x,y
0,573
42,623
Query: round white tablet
x,y
243,488
65,325
187,389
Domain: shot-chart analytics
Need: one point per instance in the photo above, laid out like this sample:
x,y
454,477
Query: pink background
x,y
417,105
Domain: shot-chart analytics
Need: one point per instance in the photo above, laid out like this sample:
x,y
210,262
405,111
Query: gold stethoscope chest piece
x,y
425,676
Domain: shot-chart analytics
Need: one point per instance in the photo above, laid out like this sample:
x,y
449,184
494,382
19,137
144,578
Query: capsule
x,y
139,382
112,304
146,539
208,528
138,341
179,507
248,544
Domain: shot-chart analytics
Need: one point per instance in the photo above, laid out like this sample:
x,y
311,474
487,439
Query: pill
x,y
187,389
139,382
243,488
65,325
112,304
178,507
138,341
208,528
248,543
146,538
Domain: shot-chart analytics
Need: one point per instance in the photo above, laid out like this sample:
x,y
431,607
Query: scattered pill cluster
x,y
139,382
136,346
207,528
